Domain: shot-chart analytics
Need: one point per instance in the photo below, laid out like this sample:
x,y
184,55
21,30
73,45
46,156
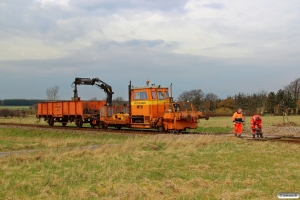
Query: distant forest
x,y
19,102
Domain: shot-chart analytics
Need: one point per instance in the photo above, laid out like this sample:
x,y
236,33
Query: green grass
x,y
144,166
214,129
23,139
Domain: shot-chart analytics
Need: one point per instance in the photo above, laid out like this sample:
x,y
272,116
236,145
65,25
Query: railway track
x,y
108,130
248,137
71,128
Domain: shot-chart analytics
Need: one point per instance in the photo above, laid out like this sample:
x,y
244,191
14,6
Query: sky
x,y
221,47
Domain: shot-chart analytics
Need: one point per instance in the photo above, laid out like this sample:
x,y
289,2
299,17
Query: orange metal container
x,y
69,111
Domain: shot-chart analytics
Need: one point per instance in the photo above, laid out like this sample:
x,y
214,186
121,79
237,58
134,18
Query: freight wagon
x,y
93,112
69,111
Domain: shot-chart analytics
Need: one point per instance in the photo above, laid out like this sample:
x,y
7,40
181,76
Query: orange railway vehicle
x,y
150,107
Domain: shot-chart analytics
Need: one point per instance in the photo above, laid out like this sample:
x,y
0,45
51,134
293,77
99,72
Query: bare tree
x,y
5,112
210,100
261,100
119,101
23,113
52,93
18,113
12,113
294,89
196,96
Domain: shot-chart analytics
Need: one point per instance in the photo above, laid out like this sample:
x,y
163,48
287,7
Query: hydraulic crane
x,y
97,82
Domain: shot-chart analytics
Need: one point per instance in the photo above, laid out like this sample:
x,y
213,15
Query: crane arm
x,y
97,82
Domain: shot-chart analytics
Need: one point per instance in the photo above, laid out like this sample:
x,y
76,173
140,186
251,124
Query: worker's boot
x,y
239,135
235,135
257,135
253,135
261,135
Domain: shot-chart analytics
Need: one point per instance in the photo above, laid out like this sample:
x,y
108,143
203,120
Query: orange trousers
x,y
238,128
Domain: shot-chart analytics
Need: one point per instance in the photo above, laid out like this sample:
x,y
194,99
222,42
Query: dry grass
x,y
29,119
147,167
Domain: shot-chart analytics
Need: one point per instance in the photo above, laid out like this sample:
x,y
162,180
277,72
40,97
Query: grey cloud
x,y
131,43
217,6
115,5
25,19
144,43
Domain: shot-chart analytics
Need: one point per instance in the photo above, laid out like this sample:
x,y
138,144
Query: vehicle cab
x,y
148,105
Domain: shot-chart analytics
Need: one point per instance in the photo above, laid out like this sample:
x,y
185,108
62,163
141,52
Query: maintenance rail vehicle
x,y
149,107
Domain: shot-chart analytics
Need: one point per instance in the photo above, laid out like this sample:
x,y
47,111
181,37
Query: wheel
x,y
102,125
79,123
64,124
160,128
51,122
92,125
176,132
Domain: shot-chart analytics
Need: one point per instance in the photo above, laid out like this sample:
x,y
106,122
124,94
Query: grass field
x,y
214,124
15,107
143,166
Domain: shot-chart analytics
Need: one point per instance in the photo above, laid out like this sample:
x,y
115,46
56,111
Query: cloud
x,y
218,6
60,3
203,25
194,44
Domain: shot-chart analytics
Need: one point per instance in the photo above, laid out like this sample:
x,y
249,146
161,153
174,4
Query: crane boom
x,y
97,82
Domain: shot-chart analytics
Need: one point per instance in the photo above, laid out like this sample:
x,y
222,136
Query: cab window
x,y
140,96
153,94
160,95
166,95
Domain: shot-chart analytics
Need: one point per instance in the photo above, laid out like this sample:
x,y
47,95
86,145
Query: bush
x,y
4,112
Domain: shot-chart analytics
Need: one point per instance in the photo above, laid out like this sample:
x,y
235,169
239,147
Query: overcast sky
x,y
221,47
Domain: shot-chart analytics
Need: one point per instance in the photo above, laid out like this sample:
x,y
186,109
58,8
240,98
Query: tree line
x,y
285,100
19,102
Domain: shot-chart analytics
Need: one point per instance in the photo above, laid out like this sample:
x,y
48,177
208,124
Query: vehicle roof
x,y
150,87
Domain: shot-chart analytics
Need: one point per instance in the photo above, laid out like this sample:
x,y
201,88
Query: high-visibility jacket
x,y
256,120
238,118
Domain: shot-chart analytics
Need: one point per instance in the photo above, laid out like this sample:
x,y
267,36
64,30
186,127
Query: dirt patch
x,y
282,130
286,124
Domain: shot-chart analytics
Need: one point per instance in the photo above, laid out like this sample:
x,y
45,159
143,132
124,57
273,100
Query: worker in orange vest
x,y
238,120
256,125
